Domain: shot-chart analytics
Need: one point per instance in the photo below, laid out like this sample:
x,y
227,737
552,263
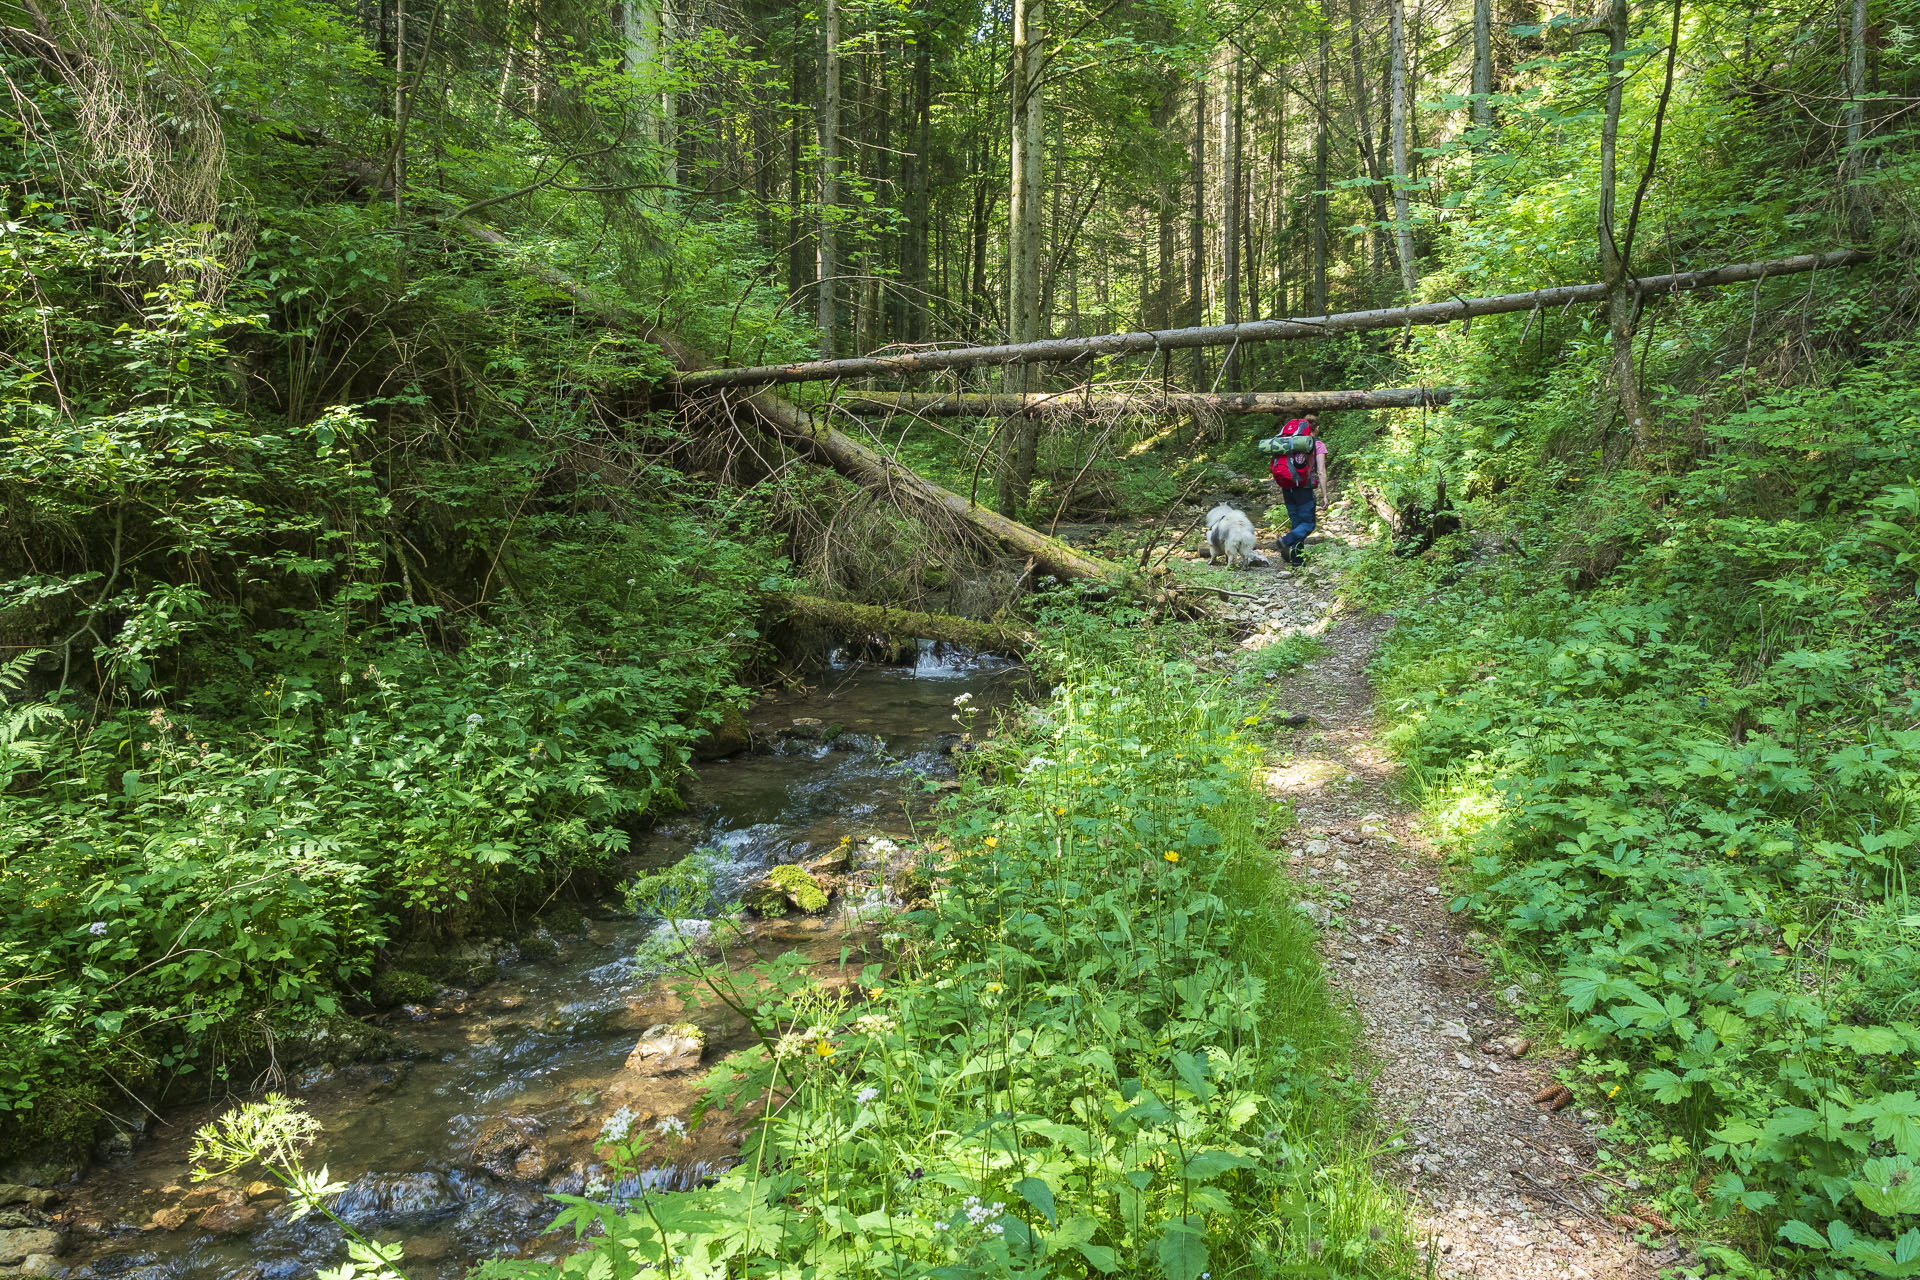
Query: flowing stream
x,y
502,1092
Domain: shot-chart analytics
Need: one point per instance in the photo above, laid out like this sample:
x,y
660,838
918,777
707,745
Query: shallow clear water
x,y
456,1148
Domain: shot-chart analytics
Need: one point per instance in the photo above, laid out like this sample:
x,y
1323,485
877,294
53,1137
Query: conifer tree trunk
x,y
1197,229
1363,133
1157,303
827,258
799,260
1481,112
1322,145
1852,159
1230,163
919,208
1402,215
1024,230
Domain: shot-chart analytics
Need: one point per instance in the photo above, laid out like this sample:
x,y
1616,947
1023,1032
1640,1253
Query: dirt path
x,y
1498,1180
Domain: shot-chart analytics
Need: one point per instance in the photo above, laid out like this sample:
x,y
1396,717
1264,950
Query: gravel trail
x,y
1500,1183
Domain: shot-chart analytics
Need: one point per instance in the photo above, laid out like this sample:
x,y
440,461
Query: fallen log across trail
x,y
1062,350
1092,401
820,443
847,620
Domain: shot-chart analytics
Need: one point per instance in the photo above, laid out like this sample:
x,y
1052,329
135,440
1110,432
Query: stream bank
x,y
502,1090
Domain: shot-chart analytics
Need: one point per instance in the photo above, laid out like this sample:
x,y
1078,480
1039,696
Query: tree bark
x,y
844,618
1061,350
1096,402
1230,163
1026,68
1481,112
1853,158
1197,227
1322,145
827,258
913,327
1402,216
1622,302
1363,134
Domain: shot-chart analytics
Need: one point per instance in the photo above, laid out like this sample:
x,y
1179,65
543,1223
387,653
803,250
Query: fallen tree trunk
x,y
1086,402
1056,350
850,620
820,443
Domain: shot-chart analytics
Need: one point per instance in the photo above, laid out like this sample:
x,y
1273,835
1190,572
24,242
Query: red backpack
x,y
1294,448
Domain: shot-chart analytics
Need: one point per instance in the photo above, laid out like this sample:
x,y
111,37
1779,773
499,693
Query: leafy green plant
x,y
1106,1047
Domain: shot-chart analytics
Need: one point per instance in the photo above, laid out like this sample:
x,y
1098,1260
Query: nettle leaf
x,y
1211,1164
1182,1249
1038,1194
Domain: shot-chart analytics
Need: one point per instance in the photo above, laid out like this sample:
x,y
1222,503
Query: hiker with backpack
x,y
1299,464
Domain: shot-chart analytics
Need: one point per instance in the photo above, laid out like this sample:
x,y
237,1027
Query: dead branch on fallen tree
x,y
822,444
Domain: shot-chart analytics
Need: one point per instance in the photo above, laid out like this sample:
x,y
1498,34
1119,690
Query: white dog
x,y
1230,534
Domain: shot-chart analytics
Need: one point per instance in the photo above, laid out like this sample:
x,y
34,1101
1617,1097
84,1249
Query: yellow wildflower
x,y
824,1049
1172,856
995,987
993,842
873,993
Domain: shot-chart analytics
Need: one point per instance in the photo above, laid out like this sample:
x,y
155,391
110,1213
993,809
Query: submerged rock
x,y
380,1199
668,1047
229,1219
514,1148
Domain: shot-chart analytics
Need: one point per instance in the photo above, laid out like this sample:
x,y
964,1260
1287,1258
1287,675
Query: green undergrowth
x,y
1106,1049
349,599
1688,797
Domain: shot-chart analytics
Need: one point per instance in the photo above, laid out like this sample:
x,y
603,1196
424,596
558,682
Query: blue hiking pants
x,y
1300,515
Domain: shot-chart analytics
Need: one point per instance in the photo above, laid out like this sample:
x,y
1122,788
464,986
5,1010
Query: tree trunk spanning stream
x,y
1098,401
1060,350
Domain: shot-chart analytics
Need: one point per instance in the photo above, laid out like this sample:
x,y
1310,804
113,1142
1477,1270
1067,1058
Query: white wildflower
x,y
1039,762
97,928
866,1095
475,718
618,1125
963,700
672,1127
873,1024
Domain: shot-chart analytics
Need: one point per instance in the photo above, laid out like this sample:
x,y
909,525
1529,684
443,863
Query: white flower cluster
x,y
983,1215
873,1024
865,1096
963,700
672,1127
1038,762
617,1126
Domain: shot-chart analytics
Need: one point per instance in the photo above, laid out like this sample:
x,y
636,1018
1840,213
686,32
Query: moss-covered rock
x,y
784,889
728,736
394,987
800,887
